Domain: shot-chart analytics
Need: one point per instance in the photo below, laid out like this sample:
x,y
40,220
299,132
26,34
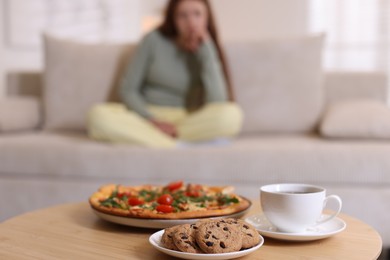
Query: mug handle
x,y
338,200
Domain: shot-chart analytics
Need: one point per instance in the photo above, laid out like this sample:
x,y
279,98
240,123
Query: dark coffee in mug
x,y
297,192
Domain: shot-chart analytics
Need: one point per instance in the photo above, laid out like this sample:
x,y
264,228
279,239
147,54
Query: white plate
x,y
157,223
330,228
155,240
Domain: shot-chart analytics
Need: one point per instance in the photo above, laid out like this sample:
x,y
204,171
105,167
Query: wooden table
x,y
73,231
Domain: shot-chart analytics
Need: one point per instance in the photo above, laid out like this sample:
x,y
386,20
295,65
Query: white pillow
x,y
78,76
279,83
360,118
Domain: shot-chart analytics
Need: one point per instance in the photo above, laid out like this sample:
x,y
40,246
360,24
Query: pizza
x,y
176,200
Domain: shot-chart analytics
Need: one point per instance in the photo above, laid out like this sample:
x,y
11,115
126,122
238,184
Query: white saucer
x,y
330,228
155,241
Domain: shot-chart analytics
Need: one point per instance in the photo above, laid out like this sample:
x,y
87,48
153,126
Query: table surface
x,y
73,231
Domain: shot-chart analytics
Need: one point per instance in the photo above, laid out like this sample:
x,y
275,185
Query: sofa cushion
x,y
360,118
77,76
279,83
345,85
19,114
250,160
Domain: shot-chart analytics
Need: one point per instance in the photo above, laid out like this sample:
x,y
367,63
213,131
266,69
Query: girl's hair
x,y
168,29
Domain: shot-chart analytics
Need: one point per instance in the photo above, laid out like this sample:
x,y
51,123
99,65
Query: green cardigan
x,y
160,73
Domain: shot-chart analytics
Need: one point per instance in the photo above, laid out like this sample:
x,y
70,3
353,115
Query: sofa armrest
x,y
341,86
19,114
24,83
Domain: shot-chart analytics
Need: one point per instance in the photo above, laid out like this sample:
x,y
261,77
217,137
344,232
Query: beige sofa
x,y
42,167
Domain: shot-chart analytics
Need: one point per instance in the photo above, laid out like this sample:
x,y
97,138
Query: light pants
x,y
113,122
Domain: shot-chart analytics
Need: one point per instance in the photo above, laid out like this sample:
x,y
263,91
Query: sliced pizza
x,y
173,201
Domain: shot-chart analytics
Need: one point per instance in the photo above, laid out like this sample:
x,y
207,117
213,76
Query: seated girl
x,y
176,88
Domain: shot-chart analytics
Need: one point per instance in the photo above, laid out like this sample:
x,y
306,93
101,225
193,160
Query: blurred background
x,y
357,40
358,31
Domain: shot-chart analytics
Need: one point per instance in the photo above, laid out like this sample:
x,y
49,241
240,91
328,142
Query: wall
x,y
258,19
252,19
238,21
2,58
84,20
12,58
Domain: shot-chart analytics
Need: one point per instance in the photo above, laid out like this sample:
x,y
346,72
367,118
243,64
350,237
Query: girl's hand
x,y
204,36
194,40
165,127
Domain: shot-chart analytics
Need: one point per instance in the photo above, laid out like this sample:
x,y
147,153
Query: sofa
x,y
43,164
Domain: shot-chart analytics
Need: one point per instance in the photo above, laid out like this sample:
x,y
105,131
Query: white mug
x,y
293,208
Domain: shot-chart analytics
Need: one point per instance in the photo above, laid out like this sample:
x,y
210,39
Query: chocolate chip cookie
x,y
167,238
218,236
250,236
184,239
